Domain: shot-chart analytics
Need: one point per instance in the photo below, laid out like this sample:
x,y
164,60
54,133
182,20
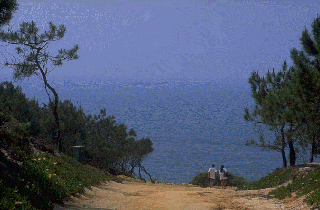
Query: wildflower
x,y
47,169
39,159
54,163
43,158
50,175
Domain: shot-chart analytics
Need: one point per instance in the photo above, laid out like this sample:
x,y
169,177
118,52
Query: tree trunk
x,y
145,171
56,137
292,153
283,145
313,147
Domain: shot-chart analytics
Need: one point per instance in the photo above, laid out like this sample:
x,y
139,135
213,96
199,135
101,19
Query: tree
x,y
7,8
274,108
307,67
73,124
110,146
33,58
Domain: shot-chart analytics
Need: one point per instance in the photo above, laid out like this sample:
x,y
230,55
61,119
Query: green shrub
x,y
276,178
202,180
10,198
281,192
46,179
305,185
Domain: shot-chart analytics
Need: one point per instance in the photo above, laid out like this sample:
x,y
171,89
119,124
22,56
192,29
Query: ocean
x,y
192,124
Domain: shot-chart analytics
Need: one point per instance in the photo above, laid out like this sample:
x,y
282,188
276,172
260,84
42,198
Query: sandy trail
x,y
161,196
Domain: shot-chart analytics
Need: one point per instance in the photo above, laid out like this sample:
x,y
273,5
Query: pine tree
x,y
274,106
7,8
33,58
307,67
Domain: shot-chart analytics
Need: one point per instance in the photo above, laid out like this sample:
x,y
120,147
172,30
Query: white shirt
x,y
222,174
212,172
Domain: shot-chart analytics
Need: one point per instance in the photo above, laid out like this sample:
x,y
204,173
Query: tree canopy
x,y
108,145
7,8
288,101
33,57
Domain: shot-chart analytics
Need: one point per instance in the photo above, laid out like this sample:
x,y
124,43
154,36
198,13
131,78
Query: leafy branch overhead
x,y
33,49
7,8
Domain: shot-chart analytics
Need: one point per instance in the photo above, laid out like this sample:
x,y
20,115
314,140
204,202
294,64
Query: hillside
x,y
134,194
42,181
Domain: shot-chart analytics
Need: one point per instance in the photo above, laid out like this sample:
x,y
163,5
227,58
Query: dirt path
x,y
138,195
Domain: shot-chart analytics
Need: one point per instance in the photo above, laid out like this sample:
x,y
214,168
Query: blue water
x,y
192,124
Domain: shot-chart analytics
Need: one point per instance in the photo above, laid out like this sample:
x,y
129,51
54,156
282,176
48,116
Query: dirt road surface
x,y
132,194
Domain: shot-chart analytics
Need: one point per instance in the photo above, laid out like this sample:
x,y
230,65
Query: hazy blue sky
x,y
171,40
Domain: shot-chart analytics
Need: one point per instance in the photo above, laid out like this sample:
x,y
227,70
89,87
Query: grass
x,y
303,183
307,185
278,177
46,179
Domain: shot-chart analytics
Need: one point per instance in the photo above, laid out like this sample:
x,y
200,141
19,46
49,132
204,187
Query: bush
x,y
46,179
303,185
202,180
11,199
279,176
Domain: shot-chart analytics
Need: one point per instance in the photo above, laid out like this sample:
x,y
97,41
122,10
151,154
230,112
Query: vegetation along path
x,y
134,194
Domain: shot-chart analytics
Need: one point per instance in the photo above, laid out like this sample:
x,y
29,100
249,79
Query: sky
x,y
157,40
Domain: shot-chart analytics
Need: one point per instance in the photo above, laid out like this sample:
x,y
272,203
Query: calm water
x,y
192,125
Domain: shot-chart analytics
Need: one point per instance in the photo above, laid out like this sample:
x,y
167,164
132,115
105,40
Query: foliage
x,y
73,124
32,58
202,180
110,146
276,178
11,199
46,179
304,185
275,107
288,101
307,68
7,8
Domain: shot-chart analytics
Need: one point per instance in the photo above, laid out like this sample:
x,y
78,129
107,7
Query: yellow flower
x,y
47,169
39,159
54,163
50,175
43,158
